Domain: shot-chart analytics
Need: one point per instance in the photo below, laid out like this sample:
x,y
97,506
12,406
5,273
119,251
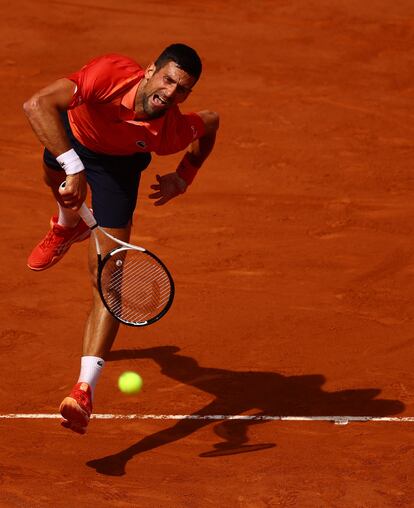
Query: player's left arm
x,y
173,184
201,148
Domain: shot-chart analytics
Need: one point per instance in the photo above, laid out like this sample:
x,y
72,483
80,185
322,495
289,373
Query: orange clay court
x,y
292,255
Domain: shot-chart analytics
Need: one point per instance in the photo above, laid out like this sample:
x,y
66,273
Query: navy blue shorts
x,y
113,180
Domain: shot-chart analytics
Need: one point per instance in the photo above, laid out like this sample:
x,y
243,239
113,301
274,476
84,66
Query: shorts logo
x,y
141,144
194,131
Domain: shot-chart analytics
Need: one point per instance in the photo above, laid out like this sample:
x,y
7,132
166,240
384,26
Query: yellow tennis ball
x,y
130,382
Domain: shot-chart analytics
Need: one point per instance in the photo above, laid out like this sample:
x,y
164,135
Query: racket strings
x,y
135,286
136,308
149,285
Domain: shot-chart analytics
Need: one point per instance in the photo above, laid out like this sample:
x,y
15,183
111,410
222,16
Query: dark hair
x,y
186,58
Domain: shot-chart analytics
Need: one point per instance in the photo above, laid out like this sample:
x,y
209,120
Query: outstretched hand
x,y
168,187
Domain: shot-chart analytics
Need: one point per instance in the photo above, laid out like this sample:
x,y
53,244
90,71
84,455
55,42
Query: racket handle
x,y
87,216
84,212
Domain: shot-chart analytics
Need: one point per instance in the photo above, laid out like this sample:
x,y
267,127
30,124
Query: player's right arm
x,y
43,112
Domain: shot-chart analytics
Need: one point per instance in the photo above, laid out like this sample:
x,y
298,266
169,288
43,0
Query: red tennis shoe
x,y
76,409
56,243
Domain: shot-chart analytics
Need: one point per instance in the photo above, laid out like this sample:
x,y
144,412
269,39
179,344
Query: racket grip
x,y
87,216
84,212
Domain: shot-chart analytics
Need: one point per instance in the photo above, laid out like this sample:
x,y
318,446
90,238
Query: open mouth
x,y
158,100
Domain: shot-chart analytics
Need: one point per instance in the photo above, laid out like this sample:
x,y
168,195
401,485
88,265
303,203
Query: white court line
x,y
339,420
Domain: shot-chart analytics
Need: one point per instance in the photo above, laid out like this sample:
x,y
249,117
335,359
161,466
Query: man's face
x,y
163,88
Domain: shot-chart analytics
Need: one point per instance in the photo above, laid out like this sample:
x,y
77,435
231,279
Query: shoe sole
x,y
74,428
55,259
76,418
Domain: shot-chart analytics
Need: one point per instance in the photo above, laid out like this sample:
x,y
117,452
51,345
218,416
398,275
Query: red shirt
x,y
101,113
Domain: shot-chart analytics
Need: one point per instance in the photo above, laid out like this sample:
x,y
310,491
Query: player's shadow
x,y
235,393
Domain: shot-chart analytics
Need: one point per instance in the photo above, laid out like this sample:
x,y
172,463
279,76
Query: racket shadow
x,y
238,392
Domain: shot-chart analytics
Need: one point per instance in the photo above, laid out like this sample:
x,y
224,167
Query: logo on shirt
x,y
194,131
141,144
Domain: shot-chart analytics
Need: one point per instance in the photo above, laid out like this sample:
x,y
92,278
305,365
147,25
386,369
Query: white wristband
x,y
70,162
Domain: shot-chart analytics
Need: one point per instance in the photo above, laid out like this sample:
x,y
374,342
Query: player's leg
x,y
101,326
66,227
114,184
100,332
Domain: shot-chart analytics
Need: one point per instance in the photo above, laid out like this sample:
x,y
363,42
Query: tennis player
x,y
99,126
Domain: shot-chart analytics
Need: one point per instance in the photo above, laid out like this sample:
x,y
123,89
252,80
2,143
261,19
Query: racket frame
x,y
87,216
101,265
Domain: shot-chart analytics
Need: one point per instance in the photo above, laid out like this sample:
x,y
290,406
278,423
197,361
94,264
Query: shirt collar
x,y
128,100
128,114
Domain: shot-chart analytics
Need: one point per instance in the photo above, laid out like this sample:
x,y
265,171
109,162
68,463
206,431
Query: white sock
x,y
91,368
67,218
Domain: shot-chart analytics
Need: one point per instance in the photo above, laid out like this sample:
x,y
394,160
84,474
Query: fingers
x,y
163,200
71,200
73,192
167,188
164,197
155,195
157,186
69,197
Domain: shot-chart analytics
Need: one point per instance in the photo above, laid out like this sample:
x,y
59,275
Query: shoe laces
x,y
83,398
53,236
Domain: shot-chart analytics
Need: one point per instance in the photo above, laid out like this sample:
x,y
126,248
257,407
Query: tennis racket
x,y
134,284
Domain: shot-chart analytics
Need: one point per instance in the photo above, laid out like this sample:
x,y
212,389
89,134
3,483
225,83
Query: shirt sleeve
x,y
183,130
196,124
96,80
